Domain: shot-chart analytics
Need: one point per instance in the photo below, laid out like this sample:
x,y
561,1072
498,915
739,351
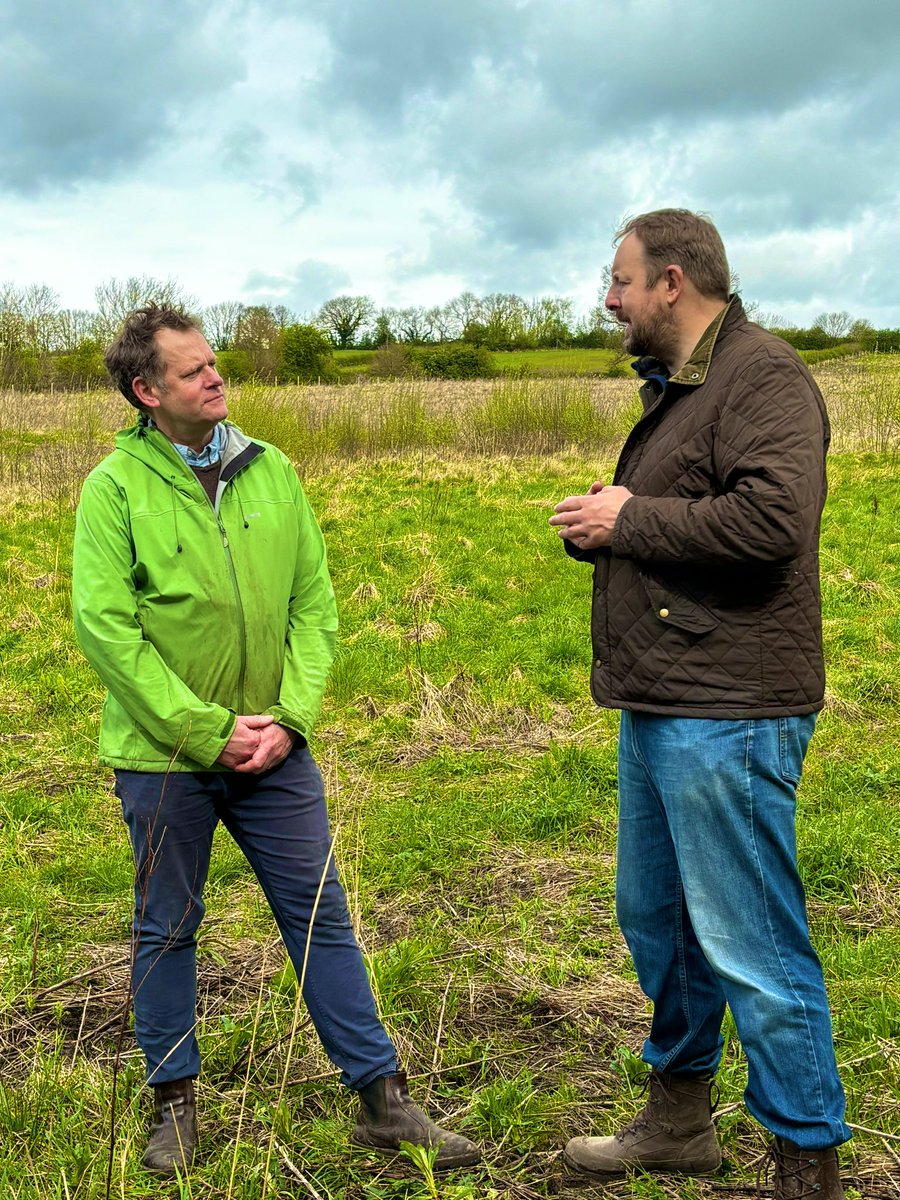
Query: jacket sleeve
x,y
768,460
107,624
573,551
312,625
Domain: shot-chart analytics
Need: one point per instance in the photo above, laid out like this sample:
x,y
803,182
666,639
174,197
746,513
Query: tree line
x,y
43,344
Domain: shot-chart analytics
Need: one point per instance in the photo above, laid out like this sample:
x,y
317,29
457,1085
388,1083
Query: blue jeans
x,y
280,822
713,910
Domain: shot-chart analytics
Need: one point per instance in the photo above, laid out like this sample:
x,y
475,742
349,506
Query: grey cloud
x,y
302,288
247,154
529,110
241,148
301,184
89,90
385,54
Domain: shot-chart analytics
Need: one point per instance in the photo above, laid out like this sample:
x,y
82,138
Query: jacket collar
x,y
695,370
145,442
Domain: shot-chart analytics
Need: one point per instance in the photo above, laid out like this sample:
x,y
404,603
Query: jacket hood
x,y
151,447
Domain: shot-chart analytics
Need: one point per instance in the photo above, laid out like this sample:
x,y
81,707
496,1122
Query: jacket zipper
x,y
242,626
242,632
239,607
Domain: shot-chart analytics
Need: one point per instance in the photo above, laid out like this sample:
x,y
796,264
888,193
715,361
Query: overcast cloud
x,y
286,152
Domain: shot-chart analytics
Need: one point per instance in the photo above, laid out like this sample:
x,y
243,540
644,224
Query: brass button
x,y
663,612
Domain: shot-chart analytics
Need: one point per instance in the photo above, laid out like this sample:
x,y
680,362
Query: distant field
x,y
472,787
557,362
351,364
542,363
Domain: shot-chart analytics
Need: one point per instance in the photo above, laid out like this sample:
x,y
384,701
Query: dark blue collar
x,y
651,370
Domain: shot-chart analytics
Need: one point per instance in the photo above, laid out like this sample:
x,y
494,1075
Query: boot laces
x,y
646,1120
787,1167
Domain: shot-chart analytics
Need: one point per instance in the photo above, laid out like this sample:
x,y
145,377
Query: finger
x,y
566,518
596,486
258,720
570,503
250,766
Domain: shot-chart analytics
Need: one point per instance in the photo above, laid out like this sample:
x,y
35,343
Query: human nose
x,y
612,301
213,378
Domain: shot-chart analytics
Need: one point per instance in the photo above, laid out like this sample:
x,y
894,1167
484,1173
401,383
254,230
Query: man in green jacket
x,y
201,597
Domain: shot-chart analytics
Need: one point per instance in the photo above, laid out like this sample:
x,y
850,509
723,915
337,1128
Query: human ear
x,y
145,392
674,277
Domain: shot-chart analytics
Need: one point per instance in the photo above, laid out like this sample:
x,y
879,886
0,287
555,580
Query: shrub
x,y
307,355
234,365
393,360
81,367
455,361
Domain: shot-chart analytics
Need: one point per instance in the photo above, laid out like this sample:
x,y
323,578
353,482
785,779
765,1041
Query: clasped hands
x,y
588,521
257,744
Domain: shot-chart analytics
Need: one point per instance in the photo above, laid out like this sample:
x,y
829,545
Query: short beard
x,y
656,335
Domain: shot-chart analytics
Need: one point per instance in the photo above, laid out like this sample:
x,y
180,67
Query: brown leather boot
x,y
800,1172
672,1133
173,1134
387,1117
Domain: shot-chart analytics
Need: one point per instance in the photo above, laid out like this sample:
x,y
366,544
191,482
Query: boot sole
x,y
679,1168
170,1171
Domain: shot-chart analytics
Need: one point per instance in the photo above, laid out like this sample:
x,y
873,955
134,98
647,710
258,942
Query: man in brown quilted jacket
x,y
706,630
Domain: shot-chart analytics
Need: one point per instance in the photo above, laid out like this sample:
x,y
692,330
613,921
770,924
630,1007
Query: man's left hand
x,y
275,744
588,521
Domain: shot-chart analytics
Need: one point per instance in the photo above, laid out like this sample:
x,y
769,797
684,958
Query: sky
x,y
285,152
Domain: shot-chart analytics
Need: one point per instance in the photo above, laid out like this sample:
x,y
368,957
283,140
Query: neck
x,y
692,326
194,439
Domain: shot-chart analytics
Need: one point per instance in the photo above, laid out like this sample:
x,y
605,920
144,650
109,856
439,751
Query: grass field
x,y
472,789
561,363
543,364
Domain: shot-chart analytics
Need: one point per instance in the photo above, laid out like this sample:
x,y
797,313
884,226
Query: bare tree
x,y
220,323
283,316
768,319
441,322
73,326
259,334
12,322
414,325
835,324
39,308
344,316
117,297
548,320
460,312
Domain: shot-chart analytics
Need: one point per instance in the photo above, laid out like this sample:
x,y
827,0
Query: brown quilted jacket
x,y
707,602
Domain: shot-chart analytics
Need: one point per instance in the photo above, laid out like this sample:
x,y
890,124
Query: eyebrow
x,y
206,362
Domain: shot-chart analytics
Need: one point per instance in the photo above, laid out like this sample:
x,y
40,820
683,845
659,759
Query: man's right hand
x,y
244,740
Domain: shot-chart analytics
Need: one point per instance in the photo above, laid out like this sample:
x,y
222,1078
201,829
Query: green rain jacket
x,y
190,614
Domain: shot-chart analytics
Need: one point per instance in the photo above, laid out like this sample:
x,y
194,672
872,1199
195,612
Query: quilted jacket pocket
x,y
674,607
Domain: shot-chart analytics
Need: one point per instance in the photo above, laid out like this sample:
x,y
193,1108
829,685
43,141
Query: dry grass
x,y
50,440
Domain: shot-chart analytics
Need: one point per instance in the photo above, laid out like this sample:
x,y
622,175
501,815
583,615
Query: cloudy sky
x,y
276,151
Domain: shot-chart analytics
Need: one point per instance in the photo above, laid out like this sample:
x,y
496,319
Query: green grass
x,y
472,788
558,363
551,364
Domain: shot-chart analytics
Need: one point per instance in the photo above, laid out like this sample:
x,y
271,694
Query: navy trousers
x,y
280,822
